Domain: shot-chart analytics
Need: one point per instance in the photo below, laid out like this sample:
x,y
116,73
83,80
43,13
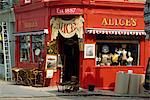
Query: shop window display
x,y
117,54
24,48
37,47
28,43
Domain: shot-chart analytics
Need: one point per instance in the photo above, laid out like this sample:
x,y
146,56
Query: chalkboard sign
x,y
147,76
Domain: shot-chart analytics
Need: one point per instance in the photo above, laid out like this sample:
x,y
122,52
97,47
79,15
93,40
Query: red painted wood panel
x,y
105,76
115,21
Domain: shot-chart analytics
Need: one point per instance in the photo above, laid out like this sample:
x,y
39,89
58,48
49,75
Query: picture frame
x,y
51,61
89,50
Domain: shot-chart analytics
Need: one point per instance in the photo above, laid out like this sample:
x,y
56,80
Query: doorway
x,y
68,49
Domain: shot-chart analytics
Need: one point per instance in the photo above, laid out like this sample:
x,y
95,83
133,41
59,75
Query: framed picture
x,y
49,73
51,61
89,50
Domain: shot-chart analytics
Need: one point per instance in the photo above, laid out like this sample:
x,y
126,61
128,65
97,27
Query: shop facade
x,y
119,41
86,39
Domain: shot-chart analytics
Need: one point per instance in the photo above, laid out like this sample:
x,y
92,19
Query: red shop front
x,y
37,36
94,39
32,23
114,41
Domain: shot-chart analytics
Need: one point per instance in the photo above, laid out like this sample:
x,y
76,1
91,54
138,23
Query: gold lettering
x,y
128,22
116,22
121,22
133,22
104,21
110,22
30,24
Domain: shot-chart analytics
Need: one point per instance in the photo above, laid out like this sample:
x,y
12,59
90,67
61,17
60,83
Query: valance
x,y
67,28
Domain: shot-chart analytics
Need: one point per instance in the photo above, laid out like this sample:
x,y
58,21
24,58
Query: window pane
x,y
37,47
24,48
116,54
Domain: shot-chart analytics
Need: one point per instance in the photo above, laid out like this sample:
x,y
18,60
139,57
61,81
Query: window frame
x,y
121,42
31,52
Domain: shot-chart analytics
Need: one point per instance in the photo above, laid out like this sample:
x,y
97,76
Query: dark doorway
x,y
69,52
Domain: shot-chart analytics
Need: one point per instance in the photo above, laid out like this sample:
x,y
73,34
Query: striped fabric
x,y
114,31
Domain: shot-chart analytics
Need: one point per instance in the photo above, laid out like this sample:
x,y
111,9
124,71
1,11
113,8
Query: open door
x,y
69,52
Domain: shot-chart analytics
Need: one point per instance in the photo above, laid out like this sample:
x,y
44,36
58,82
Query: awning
x,y
45,31
114,31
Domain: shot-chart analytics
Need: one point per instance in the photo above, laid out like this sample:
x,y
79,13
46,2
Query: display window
x,y
117,53
37,47
32,44
25,48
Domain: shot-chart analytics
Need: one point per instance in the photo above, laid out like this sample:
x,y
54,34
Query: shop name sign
x,y
65,10
132,22
67,28
30,24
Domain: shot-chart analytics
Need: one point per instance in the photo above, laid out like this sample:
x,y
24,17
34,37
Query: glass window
x,y
34,43
37,47
117,53
24,48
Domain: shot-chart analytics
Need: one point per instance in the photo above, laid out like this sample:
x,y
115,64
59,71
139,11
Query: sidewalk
x,y
9,90
85,92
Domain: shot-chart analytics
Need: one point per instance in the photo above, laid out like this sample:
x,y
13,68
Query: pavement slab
x,y
9,90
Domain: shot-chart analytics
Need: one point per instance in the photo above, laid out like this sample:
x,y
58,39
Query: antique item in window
x,y
24,48
106,58
37,52
115,57
116,54
129,59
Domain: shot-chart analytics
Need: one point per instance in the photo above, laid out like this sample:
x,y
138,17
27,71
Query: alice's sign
x,y
131,22
67,28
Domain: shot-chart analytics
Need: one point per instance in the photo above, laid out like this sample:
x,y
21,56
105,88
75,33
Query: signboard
x,y
115,21
49,73
130,22
31,24
66,11
51,61
67,28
